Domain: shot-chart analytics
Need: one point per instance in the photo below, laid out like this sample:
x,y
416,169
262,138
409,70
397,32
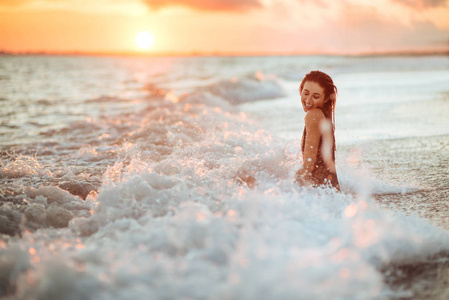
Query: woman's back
x,y
321,174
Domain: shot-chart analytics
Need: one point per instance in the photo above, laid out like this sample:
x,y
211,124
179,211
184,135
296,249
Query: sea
x,y
126,177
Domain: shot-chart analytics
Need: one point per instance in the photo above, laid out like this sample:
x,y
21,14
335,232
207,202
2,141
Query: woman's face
x,y
312,96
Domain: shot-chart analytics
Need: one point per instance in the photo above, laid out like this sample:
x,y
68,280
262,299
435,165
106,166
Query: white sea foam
x,y
22,166
176,223
246,89
175,217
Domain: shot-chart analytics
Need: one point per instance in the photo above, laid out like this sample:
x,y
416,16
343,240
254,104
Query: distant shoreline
x,y
224,54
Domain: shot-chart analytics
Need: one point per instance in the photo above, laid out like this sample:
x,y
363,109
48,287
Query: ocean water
x,y
121,177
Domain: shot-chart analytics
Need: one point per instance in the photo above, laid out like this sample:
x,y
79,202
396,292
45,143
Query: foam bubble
x,y
23,166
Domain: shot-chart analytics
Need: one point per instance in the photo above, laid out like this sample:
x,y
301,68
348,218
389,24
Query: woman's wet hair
x,y
324,80
330,91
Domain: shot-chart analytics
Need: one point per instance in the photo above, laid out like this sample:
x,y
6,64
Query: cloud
x,y
369,30
13,2
424,34
207,5
321,3
422,4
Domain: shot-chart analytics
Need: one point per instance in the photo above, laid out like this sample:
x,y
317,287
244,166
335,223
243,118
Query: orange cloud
x,y
368,29
207,5
12,2
422,4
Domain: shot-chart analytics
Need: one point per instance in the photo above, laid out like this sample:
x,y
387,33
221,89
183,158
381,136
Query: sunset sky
x,y
225,26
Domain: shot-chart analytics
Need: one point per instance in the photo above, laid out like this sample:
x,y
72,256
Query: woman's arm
x,y
313,119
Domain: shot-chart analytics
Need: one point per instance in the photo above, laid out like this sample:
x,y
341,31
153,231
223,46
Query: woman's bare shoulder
x,y
314,116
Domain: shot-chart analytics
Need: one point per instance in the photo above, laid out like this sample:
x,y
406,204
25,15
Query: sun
x,y
144,40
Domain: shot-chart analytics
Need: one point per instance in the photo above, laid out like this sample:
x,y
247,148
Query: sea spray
x,y
170,216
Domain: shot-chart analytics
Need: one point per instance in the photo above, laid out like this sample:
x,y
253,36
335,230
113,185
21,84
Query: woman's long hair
x,y
330,91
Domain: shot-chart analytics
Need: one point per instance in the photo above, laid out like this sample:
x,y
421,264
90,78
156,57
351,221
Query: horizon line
x,y
219,53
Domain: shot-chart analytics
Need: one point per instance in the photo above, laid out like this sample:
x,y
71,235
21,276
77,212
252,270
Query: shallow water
x,y
122,177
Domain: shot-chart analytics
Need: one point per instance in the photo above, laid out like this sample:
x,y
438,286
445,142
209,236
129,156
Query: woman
x,y
318,96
